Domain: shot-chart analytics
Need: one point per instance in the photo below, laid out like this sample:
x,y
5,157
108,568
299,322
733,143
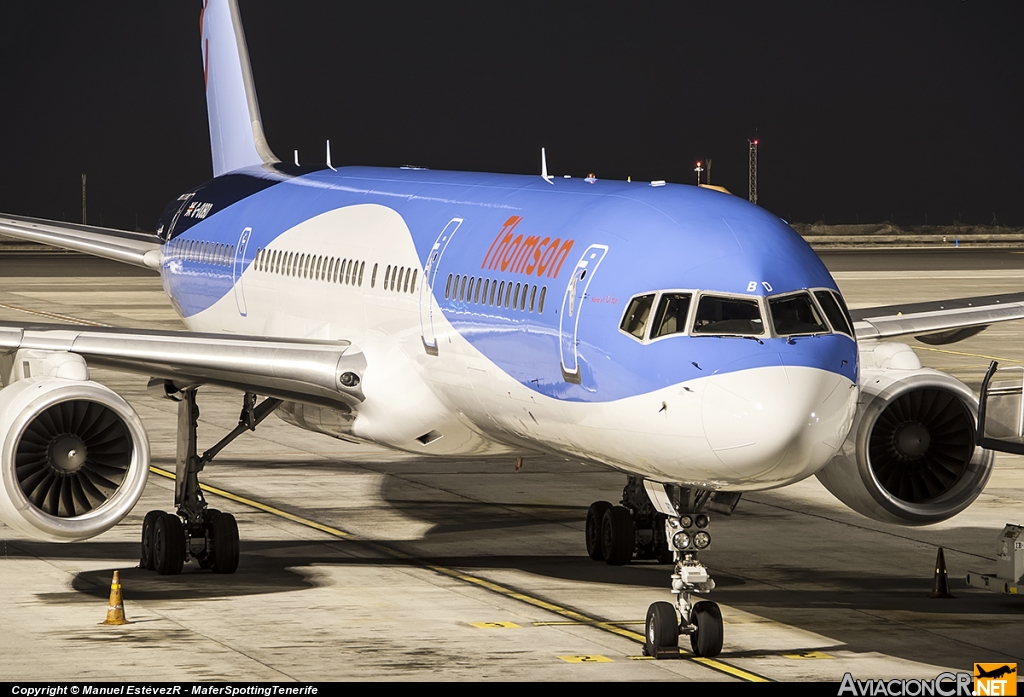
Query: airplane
x,y
995,672
678,334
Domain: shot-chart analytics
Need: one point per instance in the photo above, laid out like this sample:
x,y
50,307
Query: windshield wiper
x,y
736,336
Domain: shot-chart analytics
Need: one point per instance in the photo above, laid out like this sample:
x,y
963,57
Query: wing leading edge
x,y
941,322
137,248
315,372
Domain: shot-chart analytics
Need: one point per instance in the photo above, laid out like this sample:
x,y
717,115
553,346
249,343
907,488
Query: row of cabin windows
x,y
400,279
521,296
333,270
312,266
215,253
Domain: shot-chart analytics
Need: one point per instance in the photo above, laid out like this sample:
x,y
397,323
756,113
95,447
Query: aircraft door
x,y
1001,409
427,305
238,267
572,308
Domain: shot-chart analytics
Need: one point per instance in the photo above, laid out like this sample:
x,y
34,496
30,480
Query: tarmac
x,y
362,564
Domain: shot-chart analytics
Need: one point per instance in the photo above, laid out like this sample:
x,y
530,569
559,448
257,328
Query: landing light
x,y
681,540
702,521
701,540
687,521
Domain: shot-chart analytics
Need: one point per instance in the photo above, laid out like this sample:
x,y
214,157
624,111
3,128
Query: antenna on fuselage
x,y
544,168
296,158
329,156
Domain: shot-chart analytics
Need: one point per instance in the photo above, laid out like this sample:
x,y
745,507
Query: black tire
x,y
146,560
595,517
662,628
205,558
168,545
618,536
662,549
706,642
224,542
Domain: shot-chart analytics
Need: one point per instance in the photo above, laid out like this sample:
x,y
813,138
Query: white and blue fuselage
x,y
636,326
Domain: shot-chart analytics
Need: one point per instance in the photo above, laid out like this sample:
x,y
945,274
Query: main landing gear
x,y
669,524
196,531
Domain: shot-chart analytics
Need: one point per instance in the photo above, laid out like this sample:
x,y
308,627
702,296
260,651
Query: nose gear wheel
x,y
669,524
706,639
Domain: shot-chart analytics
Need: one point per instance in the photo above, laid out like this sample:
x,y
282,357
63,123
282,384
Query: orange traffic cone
x,y
941,578
115,607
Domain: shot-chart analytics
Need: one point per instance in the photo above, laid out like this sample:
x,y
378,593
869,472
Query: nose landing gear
x,y
702,621
651,523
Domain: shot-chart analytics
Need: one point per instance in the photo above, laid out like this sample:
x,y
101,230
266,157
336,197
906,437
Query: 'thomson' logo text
x,y
532,255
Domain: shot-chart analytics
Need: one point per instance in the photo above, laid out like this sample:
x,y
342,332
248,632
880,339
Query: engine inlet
x,y
72,457
921,444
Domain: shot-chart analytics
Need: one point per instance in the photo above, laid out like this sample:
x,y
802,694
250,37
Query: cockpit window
x,y
833,310
671,315
717,315
796,314
635,320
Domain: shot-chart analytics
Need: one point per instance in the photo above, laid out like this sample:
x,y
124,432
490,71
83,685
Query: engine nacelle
x,y
74,458
911,457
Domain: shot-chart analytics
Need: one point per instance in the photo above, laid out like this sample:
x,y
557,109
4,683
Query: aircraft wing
x,y
297,370
941,322
138,248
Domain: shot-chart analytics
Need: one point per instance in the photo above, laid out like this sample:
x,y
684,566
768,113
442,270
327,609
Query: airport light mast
x,y
753,171
698,169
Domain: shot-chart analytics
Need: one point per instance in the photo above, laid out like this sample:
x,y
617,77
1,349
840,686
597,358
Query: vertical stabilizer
x,y
236,130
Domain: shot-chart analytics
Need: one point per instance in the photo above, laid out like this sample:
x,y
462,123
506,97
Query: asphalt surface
x,y
949,258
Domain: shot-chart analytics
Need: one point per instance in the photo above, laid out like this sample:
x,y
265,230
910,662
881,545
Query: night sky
x,y
867,111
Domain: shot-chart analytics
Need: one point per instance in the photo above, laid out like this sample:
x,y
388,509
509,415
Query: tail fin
x,y
236,130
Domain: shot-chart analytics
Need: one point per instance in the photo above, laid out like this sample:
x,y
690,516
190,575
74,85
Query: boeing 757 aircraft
x,y
678,334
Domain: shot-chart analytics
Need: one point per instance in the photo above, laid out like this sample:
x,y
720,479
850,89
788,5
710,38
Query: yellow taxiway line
x,y
569,614
969,355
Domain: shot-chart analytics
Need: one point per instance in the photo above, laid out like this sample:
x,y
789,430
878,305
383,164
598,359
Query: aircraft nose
x,y
777,424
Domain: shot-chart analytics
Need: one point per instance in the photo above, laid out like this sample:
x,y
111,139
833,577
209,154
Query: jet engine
x,y
74,458
911,457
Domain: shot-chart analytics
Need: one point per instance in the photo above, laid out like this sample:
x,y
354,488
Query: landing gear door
x,y
1001,410
572,308
238,267
427,305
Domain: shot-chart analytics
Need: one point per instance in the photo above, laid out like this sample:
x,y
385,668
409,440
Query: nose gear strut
x,y
686,529
670,524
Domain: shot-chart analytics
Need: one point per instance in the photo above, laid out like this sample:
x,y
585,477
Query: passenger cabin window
x,y
796,314
834,311
671,315
736,316
635,320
